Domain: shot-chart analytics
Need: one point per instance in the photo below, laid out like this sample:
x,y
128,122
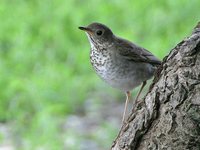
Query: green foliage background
x,y
45,74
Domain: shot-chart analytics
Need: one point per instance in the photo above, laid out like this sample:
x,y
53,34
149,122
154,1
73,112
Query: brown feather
x,y
135,53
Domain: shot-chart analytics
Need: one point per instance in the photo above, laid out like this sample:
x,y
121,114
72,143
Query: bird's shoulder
x,y
134,52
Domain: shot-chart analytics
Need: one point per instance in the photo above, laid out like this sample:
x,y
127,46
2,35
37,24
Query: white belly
x,y
112,75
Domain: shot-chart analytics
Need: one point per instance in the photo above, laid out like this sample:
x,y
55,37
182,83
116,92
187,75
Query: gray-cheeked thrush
x,y
119,62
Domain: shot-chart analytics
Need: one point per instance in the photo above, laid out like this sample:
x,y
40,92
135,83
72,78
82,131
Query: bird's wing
x,y
135,53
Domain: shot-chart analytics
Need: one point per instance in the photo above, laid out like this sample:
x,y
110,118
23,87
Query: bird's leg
x,y
128,97
143,85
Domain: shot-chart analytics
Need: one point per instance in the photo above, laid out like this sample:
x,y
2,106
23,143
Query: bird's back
x,y
133,52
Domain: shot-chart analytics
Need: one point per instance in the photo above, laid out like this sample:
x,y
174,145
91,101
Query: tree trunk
x,y
168,118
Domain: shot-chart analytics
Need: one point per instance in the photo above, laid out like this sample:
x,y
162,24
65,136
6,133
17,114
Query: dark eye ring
x,y
99,32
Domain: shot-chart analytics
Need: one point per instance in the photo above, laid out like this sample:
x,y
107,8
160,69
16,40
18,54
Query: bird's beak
x,y
86,29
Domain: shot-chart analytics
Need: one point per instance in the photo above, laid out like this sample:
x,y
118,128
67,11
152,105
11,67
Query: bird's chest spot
x,y
100,60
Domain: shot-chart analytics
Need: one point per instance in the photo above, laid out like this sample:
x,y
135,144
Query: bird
x,y
119,62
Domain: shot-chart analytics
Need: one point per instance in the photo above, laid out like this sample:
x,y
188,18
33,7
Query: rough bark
x,y
168,118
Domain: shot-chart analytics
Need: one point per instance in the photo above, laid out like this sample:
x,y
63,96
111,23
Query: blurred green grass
x,y
45,72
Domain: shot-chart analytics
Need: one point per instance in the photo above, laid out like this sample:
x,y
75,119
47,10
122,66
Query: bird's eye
x,y
99,32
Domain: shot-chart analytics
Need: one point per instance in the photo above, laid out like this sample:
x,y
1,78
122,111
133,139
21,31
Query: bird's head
x,y
98,34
